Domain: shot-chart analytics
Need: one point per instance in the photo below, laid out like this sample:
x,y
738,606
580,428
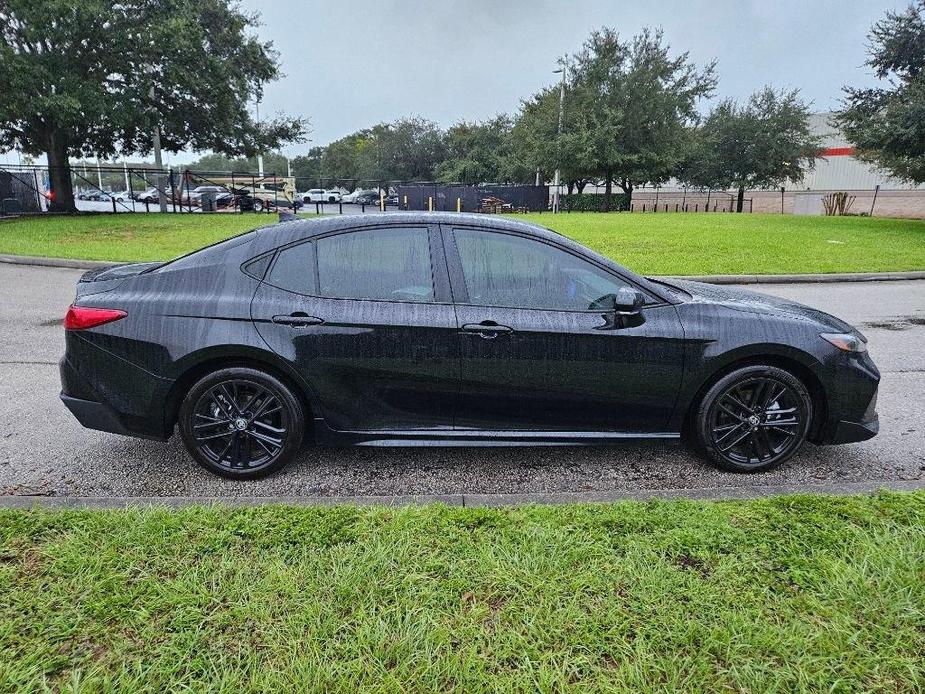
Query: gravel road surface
x,y
44,451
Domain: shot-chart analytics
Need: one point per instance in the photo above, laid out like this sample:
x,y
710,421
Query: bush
x,y
593,202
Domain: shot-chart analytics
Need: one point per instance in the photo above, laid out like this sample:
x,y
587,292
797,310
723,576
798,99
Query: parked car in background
x,y
319,195
352,197
367,198
194,196
446,329
149,195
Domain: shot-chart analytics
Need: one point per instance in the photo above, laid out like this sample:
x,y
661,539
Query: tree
x,y
759,145
887,126
97,76
537,146
307,168
481,153
407,150
631,104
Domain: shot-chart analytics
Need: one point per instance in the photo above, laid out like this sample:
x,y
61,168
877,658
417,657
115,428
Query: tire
x,y
241,423
258,205
753,419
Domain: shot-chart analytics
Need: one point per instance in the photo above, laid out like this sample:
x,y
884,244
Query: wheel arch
x,y
797,364
209,360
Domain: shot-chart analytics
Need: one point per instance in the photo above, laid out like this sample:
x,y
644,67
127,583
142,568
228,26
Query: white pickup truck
x,y
319,195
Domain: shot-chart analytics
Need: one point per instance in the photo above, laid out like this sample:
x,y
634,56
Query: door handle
x,y
297,319
487,330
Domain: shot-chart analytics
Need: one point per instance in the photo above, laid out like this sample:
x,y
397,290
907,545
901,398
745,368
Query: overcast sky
x,y
351,64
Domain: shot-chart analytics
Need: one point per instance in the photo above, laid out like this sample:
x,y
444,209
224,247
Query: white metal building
x,y
838,169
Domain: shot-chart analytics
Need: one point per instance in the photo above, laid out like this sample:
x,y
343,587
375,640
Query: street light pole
x,y
158,163
555,183
259,154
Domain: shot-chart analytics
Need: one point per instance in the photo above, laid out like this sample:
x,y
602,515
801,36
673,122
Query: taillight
x,y
81,318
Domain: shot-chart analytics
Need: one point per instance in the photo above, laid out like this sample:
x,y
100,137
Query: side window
x,y
388,263
294,269
506,270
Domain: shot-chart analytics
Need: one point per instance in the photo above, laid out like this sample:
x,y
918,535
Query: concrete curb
x,y
481,500
809,278
55,262
711,279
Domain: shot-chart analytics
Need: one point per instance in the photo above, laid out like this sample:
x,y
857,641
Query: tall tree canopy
x,y
478,153
97,76
537,145
759,145
630,104
887,125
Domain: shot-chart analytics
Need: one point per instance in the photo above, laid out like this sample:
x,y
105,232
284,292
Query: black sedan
x,y
437,329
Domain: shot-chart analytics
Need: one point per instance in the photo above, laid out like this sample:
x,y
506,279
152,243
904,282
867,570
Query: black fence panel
x,y
21,192
462,198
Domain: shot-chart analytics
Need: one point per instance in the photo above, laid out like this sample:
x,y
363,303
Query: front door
x,y
539,349
365,316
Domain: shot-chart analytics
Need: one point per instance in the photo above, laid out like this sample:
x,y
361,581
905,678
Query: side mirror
x,y
628,301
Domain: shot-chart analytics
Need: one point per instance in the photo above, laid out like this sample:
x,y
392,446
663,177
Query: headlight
x,y
846,342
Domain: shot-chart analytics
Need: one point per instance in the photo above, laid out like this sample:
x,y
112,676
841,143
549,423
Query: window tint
x,y
506,270
294,269
391,264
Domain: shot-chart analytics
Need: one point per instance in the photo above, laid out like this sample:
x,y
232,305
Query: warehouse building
x,y
872,191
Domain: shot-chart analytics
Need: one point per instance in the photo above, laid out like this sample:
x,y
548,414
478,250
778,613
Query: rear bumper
x,y
119,399
95,415
851,432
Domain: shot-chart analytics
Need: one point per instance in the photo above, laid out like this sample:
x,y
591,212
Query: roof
x,y
305,227
284,232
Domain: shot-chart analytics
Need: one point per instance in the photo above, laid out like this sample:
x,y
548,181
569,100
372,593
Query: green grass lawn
x,y
655,244
787,594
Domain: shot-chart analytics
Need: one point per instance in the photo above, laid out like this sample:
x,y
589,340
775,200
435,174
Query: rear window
x,y
294,269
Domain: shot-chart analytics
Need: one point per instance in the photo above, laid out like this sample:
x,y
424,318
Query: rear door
x,y
535,353
365,315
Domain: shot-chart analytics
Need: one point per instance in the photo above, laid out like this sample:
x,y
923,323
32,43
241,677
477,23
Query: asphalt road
x,y
44,451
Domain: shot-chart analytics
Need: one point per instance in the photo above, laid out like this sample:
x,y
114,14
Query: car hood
x,y
754,302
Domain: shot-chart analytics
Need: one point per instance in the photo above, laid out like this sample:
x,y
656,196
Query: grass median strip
x,y
783,594
655,244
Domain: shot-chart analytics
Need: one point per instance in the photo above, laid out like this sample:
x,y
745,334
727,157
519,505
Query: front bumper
x,y
860,429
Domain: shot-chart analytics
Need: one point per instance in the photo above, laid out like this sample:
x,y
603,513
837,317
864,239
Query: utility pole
x,y
158,164
555,183
99,173
259,154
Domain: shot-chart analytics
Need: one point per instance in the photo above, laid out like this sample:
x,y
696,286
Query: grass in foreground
x,y
788,594
653,244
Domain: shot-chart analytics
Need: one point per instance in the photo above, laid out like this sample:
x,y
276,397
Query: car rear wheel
x,y
753,419
258,205
241,423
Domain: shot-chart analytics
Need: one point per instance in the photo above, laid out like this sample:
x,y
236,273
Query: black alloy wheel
x,y
754,419
241,423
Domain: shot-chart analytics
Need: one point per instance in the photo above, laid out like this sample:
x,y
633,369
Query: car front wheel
x,y
753,419
241,423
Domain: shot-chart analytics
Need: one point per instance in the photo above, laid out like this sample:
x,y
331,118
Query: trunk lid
x,y
104,279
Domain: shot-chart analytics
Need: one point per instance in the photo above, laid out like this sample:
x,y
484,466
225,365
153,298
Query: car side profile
x,y
320,195
442,329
